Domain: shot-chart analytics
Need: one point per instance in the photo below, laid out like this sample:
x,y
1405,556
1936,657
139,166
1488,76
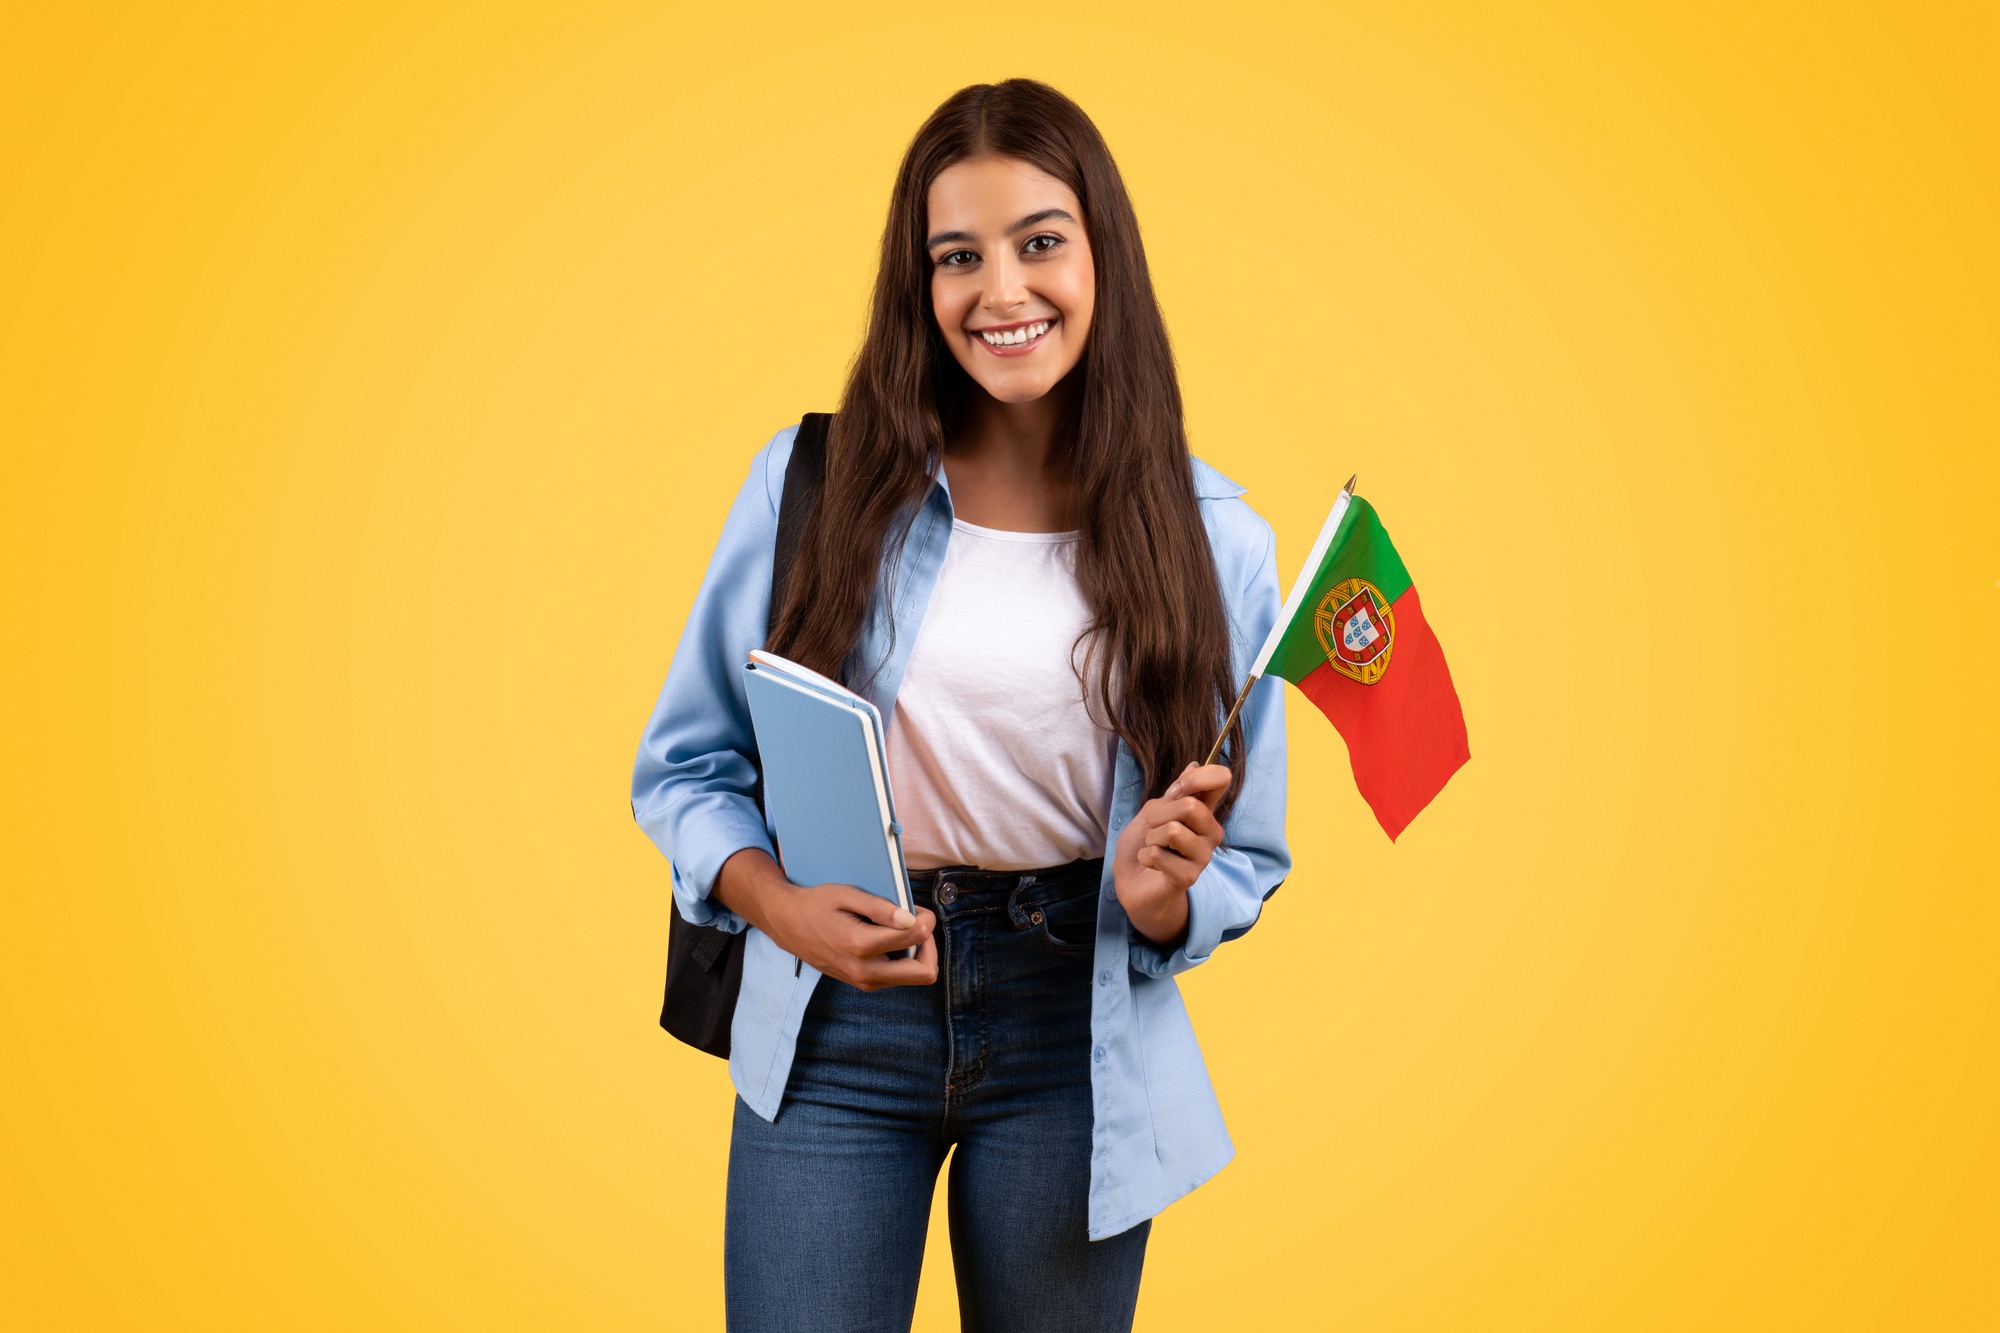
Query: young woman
x,y
1016,559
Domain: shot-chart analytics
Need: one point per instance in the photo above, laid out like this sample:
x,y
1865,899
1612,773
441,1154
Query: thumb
x,y
874,907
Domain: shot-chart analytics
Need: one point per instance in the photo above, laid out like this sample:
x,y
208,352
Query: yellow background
x,y
373,381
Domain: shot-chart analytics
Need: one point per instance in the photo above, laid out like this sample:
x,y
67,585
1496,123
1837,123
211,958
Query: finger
x,y
869,925
918,971
871,906
1178,837
1177,788
1193,811
865,939
1177,868
1207,781
865,948
920,928
1167,861
1196,814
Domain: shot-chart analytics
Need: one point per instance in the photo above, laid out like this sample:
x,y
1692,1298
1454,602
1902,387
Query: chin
x,y
1016,390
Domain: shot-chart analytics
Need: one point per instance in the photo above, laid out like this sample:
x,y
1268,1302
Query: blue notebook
x,y
826,779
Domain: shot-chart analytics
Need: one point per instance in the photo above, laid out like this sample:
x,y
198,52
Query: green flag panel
x,y
1360,550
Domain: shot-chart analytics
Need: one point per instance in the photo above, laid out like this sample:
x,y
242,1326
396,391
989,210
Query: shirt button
x,y
1098,1055
1104,977
948,894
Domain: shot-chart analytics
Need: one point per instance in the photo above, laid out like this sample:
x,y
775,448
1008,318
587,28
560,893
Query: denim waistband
x,y
960,884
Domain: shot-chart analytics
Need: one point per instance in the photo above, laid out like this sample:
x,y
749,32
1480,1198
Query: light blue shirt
x,y
1158,1132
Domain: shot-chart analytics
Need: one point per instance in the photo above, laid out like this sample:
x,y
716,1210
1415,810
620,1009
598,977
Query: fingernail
x,y
902,920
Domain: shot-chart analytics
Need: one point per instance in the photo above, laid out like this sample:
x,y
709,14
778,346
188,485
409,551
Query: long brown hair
x,y
1143,561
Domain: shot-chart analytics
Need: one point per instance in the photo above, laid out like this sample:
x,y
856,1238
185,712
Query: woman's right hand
x,y
842,931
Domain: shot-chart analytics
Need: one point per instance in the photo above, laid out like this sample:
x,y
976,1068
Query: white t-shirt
x,y
994,757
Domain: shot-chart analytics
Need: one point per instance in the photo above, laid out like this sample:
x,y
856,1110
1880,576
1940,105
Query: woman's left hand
x,y
1167,844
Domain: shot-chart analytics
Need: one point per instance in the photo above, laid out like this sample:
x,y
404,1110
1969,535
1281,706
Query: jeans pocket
x,y
1067,926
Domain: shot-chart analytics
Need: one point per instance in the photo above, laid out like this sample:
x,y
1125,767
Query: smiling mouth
x,y
1015,338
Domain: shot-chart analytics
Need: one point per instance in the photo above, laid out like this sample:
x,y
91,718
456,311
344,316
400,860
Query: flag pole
x,y
1255,674
1230,721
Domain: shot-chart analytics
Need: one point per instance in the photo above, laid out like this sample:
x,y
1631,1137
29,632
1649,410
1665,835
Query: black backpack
x,y
704,964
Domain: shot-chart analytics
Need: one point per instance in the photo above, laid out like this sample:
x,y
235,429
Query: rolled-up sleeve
x,y
1225,899
694,782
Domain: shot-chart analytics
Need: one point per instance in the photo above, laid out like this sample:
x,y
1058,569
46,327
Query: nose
x,y
1006,290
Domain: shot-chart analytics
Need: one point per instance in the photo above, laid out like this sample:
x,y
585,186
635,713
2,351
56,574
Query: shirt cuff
x,y
1204,928
712,831
702,910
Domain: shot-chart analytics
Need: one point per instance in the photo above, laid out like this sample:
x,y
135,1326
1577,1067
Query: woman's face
x,y
1012,283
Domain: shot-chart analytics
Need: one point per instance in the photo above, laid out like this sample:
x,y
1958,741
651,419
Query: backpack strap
x,y
705,964
803,475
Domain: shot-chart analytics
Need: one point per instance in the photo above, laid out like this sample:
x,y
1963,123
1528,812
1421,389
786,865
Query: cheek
x,y
1079,293
947,305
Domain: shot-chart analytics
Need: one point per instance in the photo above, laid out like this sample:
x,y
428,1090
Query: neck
x,y
1028,438
1009,463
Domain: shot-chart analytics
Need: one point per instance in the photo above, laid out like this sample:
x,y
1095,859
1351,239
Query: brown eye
x,y
958,259
1042,244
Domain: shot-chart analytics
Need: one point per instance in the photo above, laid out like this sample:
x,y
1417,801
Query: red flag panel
x,y
1405,733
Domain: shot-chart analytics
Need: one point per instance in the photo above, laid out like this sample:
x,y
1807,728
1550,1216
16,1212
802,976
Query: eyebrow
x,y
1033,219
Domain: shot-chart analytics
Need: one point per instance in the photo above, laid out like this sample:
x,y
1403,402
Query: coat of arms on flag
x,y
1357,630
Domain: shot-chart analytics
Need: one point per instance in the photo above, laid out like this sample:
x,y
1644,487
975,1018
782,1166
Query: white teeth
x,y
1015,337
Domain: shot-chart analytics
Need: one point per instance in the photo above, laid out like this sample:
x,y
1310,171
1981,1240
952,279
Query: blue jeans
x,y
829,1205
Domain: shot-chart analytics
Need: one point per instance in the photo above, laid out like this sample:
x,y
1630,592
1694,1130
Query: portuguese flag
x,y
1353,636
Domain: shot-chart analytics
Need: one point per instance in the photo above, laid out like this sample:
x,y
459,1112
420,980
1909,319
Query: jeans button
x,y
948,894
1098,1055
1035,917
